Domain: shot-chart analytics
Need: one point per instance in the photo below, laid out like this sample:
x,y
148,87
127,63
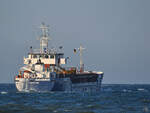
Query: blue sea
x,y
113,98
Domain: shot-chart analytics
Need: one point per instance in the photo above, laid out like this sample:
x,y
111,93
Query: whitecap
x,y
67,110
145,109
124,90
90,105
3,92
107,89
140,89
55,111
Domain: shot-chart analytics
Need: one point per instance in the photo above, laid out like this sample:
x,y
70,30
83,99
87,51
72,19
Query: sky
x,y
115,33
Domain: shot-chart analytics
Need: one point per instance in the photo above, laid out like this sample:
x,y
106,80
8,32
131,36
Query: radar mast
x,y
81,60
44,38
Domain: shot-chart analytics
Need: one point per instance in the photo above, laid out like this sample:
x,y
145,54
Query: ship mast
x,y
81,60
44,38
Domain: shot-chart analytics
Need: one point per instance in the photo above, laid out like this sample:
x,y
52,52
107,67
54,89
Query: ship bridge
x,y
50,58
45,55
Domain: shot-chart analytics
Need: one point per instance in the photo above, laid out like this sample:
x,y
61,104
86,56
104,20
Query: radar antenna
x,y
44,38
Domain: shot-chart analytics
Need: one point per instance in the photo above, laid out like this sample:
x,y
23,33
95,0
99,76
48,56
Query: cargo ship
x,y
45,70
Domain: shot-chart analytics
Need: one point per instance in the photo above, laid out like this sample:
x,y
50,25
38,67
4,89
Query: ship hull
x,y
57,84
27,84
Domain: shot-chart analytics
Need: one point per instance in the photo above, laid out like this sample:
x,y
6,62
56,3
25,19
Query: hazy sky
x,y
115,33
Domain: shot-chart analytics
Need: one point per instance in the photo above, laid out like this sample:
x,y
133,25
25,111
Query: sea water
x,y
112,99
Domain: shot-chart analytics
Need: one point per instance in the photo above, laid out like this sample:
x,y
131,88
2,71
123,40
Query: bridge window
x,y
51,56
46,56
34,56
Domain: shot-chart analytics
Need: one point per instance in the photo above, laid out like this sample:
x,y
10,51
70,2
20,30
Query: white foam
x,y
3,92
145,109
67,110
90,105
140,89
126,90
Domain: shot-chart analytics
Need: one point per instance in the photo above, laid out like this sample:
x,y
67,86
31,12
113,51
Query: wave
x,y
3,92
126,90
140,89
107,89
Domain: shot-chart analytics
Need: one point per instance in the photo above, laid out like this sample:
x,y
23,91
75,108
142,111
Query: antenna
x,y
44,29
81,60
44,38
